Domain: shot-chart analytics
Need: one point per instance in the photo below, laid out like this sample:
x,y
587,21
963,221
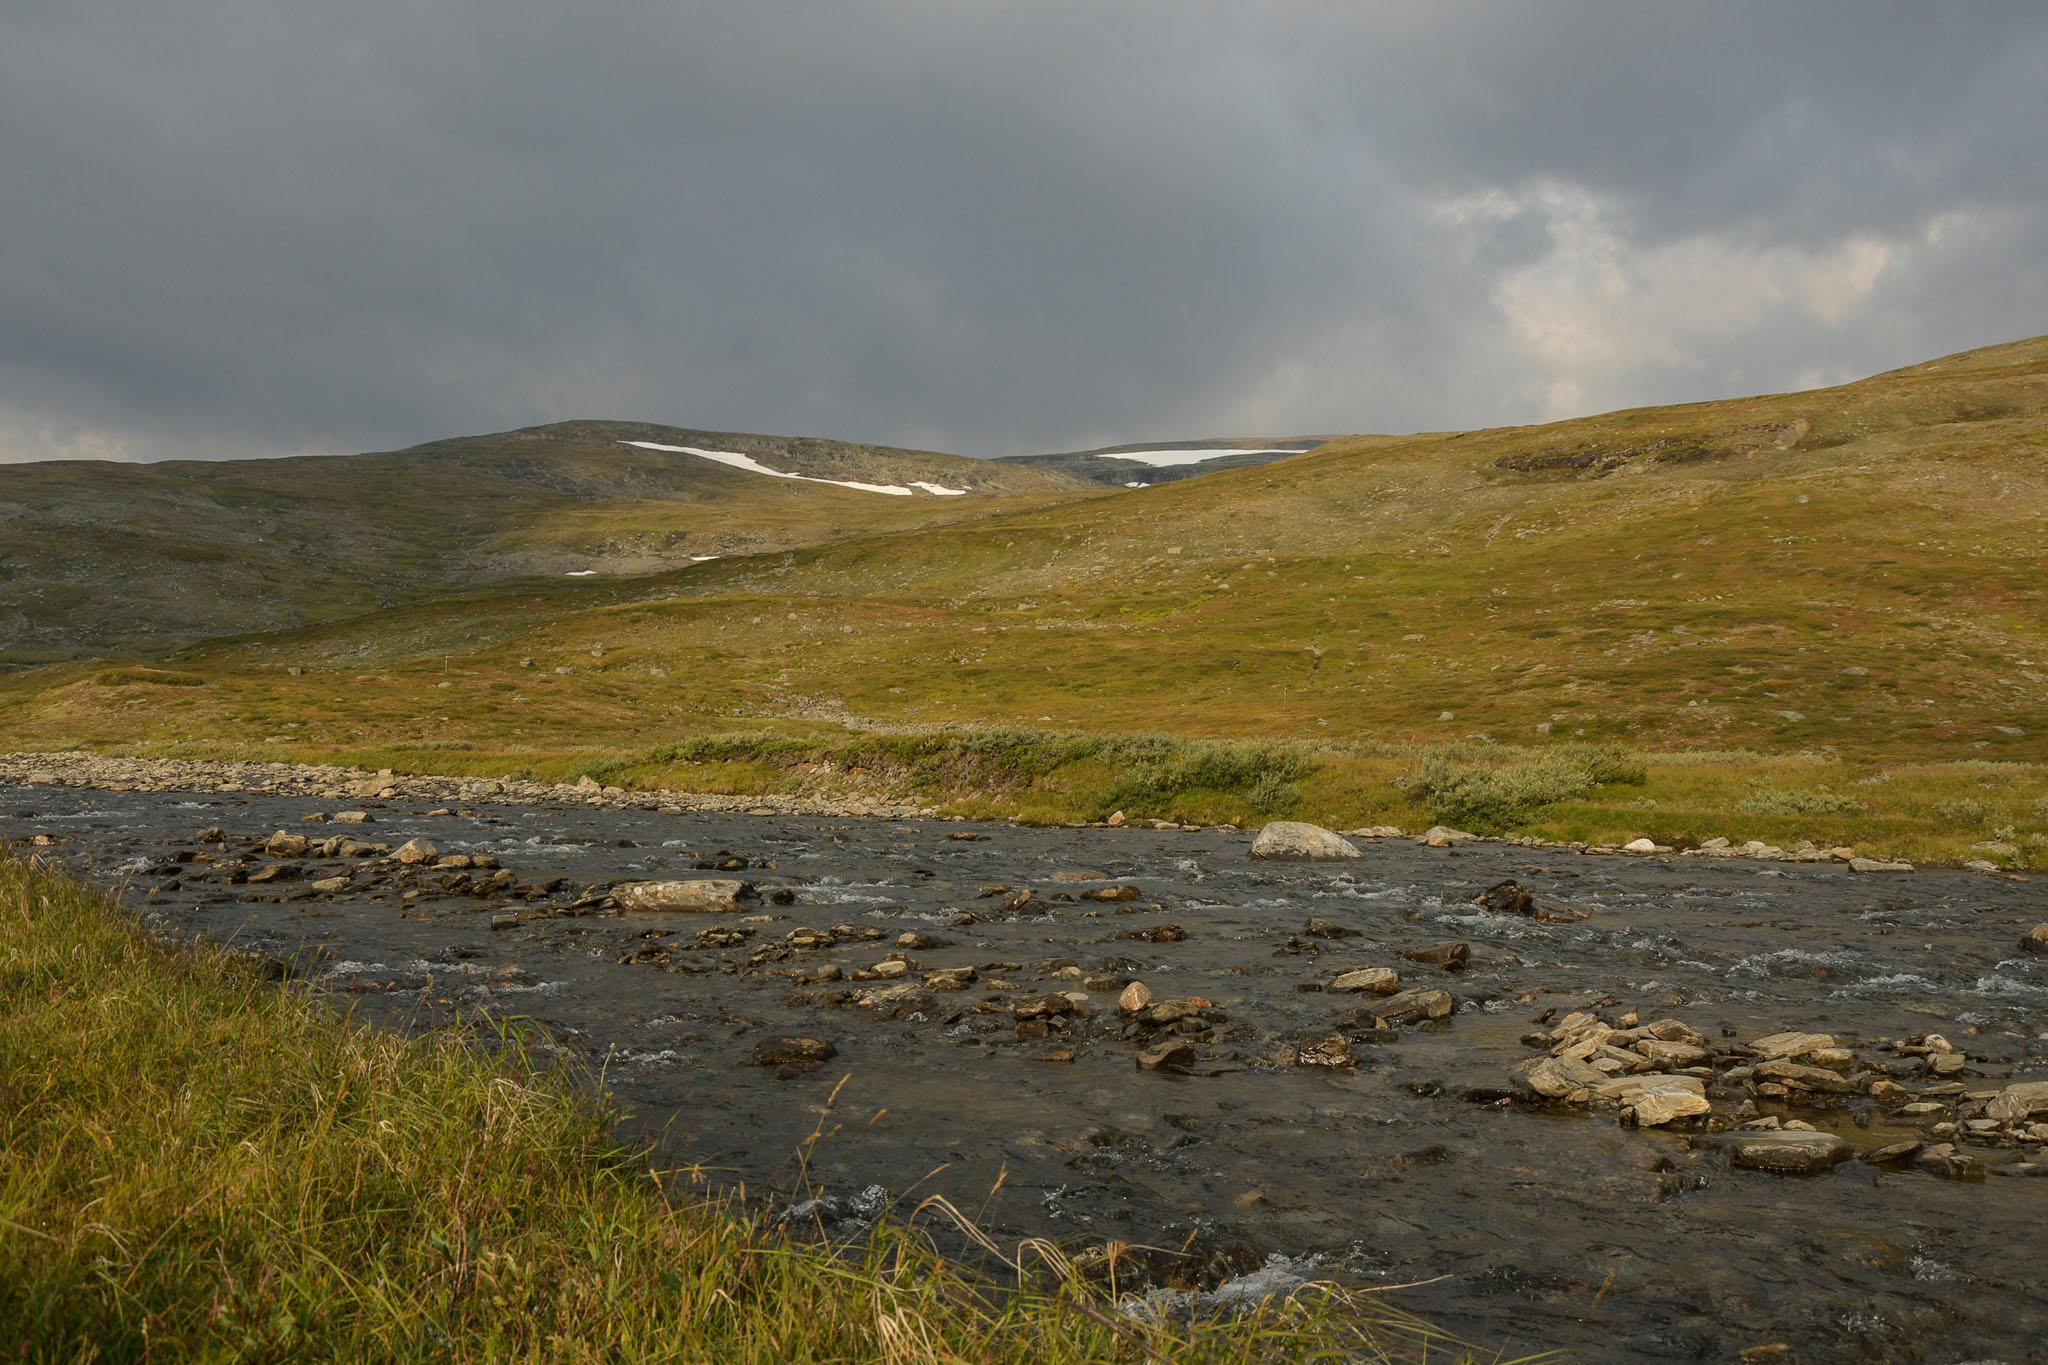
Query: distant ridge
x,y
1124,466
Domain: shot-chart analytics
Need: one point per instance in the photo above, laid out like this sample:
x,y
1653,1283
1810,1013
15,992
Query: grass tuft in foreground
x,y
195,1164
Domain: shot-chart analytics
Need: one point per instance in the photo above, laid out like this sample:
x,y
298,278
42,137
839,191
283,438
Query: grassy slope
x,y
100,558
197,1165
1841,588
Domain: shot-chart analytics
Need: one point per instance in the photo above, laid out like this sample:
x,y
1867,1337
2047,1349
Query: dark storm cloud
x,y
235,227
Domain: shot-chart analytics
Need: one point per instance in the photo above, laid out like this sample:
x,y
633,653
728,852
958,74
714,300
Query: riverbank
x,y
202,1164
1045,780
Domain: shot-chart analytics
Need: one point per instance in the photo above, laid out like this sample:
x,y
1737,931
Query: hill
x,y
114,559
1814,609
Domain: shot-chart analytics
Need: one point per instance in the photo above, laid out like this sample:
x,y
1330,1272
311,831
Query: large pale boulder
x,y
1788,1151
1295,839
712,896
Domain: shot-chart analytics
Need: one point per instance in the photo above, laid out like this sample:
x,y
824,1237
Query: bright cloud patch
x,y
1161,459
1597,309
753,466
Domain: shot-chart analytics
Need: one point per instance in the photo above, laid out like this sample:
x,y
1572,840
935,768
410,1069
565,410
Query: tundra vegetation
x,y
1803,616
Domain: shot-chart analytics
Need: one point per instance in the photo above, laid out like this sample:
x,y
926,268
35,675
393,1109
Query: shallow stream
x,y
1536,1225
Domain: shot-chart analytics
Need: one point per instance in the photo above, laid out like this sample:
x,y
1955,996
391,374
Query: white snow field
x,y
753,466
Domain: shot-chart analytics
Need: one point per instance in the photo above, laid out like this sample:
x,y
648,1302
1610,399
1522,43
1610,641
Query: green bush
x,y
1966,812
1793,801
1260,772
1488,798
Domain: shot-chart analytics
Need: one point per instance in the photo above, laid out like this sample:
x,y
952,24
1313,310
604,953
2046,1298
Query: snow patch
x,y
1161,459
735,460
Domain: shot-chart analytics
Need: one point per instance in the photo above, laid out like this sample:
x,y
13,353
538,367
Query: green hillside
x,y
99,558
1800,596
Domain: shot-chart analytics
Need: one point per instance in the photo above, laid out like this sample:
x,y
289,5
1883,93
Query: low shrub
x,y
1794,801
1491,797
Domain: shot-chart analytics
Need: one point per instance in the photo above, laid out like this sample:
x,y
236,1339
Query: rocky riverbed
x,y
1633,1107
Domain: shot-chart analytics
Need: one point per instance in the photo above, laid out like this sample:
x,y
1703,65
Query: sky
x,y
258,227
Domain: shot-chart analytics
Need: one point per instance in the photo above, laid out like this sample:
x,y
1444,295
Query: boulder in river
x,y
1506,898
1173,1055
711,896
416,851
1137,998
285,844
1331,1051
1559,1078
1295,839
1410,1006
1788,1151
1790,1046
1378,980
1452,957
2036,940
2017,1102
793,1049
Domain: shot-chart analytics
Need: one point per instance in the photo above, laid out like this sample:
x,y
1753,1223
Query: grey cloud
x,y
232,227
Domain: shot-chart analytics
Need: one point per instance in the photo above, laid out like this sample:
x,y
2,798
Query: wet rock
x,y
950,979
353,817
2017,1102
1670,1056
1943,1158
1442,836
1058,1054
276,872
1795,1076
1121,892
894,1002
1877,865
1295,839
1506,898
1452,957
330,885
1049,1006
919,942
1377,980
1322,928
1558,1078
888,969
1160,933
1788,1152
708,897
1790,1046
1409,1006
1659,1100
1331,1051
284,844
413,852
1892,1151
2036,940
1172,1055
793,1049
213,834
1136,998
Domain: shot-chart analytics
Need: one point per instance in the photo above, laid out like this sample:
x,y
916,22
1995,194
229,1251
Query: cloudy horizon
x,y
241,229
